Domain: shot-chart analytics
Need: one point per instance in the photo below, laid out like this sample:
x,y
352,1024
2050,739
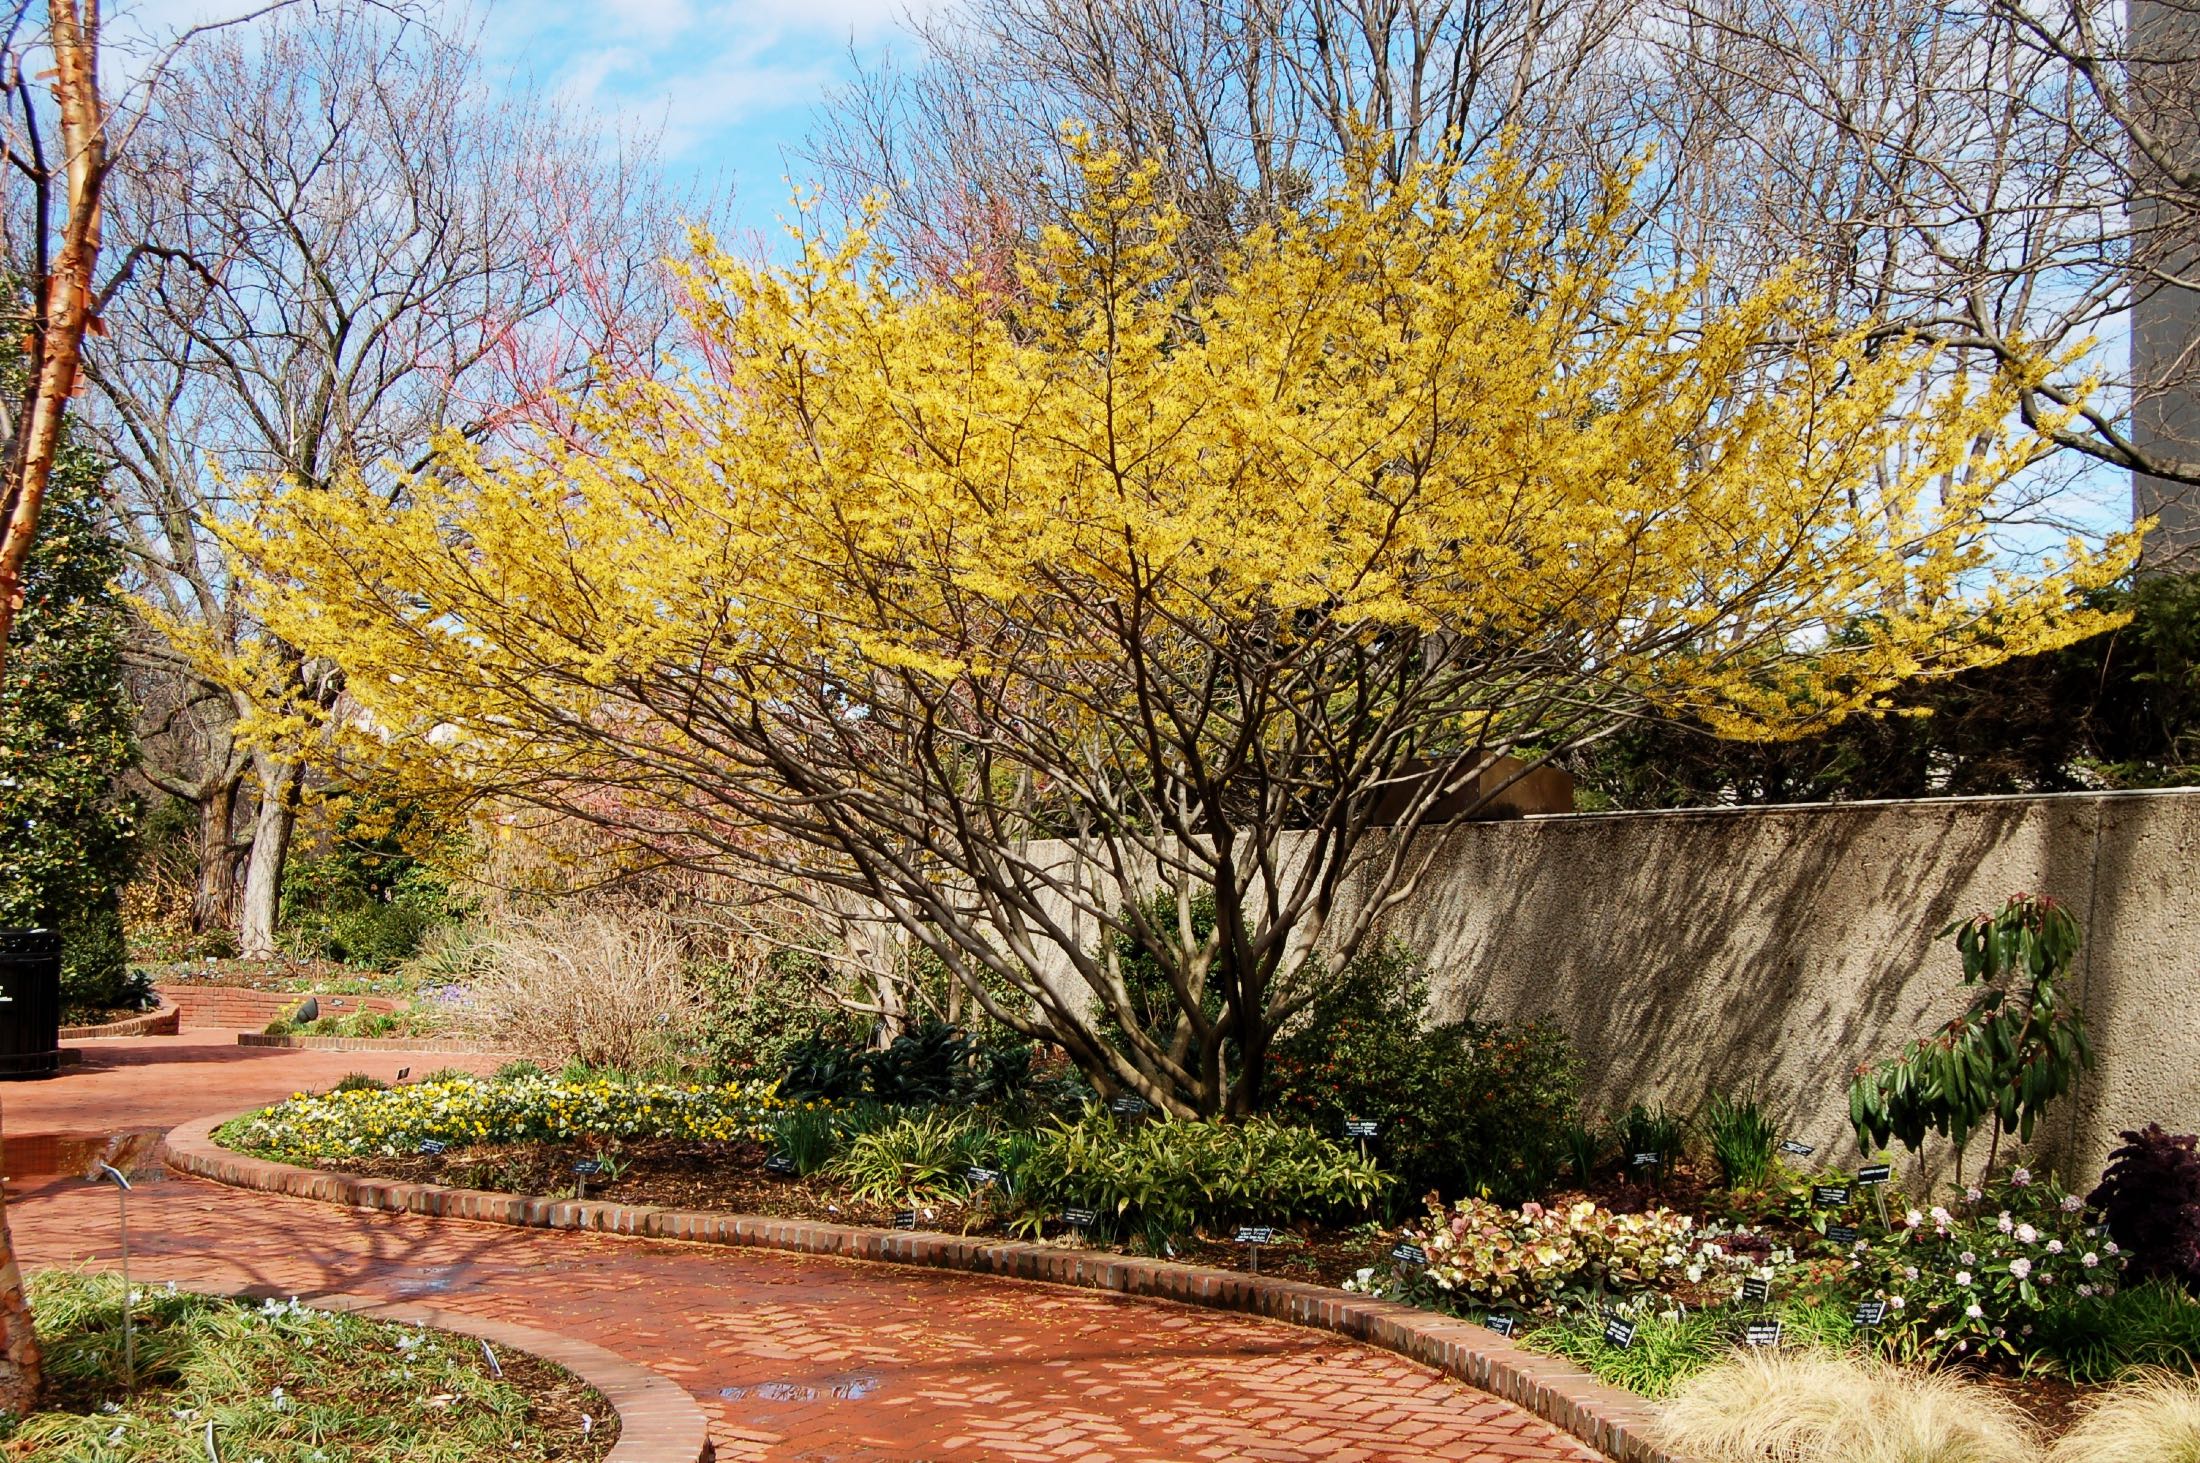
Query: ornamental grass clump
x,y
359,1123
1822,1407
915,1158
2155,1418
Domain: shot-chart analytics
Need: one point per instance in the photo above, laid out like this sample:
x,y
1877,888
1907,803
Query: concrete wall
x,y
1781,947
1777,949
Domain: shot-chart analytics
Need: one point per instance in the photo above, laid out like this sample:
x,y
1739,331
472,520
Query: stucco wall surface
x,y
1777,948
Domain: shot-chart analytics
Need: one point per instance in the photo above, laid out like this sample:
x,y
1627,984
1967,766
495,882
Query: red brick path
x,y
794,1357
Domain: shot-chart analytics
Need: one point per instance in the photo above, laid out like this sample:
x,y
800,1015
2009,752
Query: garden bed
x,y
1671,1258
162,1020
278,1381
304,977
730,1178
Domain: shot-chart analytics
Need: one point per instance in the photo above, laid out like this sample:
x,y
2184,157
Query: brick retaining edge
x,y
430,1044
1614,1422
658,1421
162,1020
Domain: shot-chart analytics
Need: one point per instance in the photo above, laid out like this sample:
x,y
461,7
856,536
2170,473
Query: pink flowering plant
x,y
1483,1254
1974,1278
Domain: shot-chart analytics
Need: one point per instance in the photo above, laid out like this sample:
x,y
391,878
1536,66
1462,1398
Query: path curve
x,y
792,1357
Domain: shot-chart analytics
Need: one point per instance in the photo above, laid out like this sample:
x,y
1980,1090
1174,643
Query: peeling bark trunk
x,y
263,877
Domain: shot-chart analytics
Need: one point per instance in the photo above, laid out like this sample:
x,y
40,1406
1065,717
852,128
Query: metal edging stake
x,y
122,1217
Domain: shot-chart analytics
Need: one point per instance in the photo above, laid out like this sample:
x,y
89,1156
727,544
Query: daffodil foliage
x,y
990,605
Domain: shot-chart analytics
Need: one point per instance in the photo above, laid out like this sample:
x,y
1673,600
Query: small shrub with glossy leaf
x,y
1464,1107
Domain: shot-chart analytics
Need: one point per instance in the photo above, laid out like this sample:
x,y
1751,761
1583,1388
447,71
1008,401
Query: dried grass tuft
x,y
1823,1407
2152,1419
608,989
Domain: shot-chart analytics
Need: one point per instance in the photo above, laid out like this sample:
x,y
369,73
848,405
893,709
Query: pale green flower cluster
x,y
458,1111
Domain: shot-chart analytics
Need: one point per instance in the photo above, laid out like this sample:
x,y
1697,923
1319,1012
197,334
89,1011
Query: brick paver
x,y
794,1357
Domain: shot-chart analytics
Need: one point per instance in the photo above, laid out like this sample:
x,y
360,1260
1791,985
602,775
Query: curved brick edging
x,y
1615,1423
162,1020
658,1421
428,1044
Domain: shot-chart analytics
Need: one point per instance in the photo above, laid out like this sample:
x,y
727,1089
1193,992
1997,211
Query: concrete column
x,y
2165,318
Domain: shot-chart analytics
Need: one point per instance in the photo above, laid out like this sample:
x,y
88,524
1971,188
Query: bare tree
x,y
341,246
2004,178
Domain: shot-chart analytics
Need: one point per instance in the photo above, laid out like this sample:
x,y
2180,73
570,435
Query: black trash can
x,y
30,1004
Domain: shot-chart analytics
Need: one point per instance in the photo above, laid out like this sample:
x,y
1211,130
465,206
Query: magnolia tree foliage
x,y
65,737
985,605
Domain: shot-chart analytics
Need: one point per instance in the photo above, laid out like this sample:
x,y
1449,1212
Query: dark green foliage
x,y
65,737
370,899
1469,1107
752,1021
2151,1195
1743,1140
1646,1129
808,1138
2121,709
2102,1338
1154,1005
825,1067
2020,1046
517,1067
931,1065
1583,1147
361,1082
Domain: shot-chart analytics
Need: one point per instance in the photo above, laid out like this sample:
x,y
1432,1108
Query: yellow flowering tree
x,y
991,608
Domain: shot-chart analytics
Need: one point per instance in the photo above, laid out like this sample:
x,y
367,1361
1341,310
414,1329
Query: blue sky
x,y
729,87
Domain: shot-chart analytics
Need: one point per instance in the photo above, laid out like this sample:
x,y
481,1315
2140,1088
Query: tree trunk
x,y
19,1361
263,877
214,901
